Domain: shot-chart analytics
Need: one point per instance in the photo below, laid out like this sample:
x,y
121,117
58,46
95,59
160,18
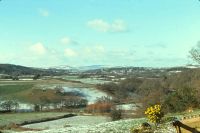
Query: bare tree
x,y
9,105
195,53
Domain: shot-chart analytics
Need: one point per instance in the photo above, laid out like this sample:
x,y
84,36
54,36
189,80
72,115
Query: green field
x,y
21,117
12,89
29,91
15,91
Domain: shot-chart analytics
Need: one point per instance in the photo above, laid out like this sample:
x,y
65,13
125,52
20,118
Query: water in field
x,y
86,80
89,93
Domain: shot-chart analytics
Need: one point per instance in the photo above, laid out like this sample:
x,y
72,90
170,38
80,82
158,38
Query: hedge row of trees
x,y
9,105
46,99
176,92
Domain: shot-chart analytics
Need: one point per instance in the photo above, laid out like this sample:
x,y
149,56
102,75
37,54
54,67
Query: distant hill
x,y
62,67
148,72
11,69
80,68
92,67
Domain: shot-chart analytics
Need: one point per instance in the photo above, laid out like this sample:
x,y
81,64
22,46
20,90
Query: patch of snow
x,y
26,106
26,79
70,122
122,126
127,107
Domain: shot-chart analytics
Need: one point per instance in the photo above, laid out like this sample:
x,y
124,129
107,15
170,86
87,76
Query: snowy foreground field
x,y
90,124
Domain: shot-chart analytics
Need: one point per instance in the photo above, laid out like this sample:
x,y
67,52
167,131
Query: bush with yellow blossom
x,y
154,113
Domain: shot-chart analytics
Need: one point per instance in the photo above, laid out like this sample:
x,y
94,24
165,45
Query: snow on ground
x,y
122,126
72,122
132,107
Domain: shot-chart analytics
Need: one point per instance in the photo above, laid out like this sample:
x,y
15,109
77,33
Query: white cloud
x,y
67,40
87,50
38,49
44,12
103,26
99,25
93,51
99,48
118,26
70,53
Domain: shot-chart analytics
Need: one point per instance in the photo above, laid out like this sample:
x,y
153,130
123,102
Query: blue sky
x,y
151,33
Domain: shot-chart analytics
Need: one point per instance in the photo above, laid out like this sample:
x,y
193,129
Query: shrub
x,y
36,107
144,128
181,99
116,114
168,119
154,114
99,108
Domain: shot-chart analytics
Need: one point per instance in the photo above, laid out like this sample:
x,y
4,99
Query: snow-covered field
x,y
132,107
70,122
86,125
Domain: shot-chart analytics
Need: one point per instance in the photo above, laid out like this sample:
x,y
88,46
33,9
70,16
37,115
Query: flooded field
x,y
86,80
90,94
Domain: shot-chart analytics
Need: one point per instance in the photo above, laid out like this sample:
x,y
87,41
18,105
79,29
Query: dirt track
x,y
192,122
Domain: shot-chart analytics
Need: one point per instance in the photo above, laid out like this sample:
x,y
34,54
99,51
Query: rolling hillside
x,y
11,69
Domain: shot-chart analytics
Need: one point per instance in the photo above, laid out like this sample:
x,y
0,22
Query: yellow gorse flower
x,y
154,113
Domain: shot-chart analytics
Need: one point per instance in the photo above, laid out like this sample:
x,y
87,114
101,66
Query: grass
x,y
17,118
22,91
184,114
15,91
117,126
12,89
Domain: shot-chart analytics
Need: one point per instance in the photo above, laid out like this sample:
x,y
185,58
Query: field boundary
x,y
45,119
190,117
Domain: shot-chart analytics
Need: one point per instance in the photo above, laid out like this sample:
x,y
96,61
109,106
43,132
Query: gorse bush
x,y
116,114
182,99
154,114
